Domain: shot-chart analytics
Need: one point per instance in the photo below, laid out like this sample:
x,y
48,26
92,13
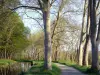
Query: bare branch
x,y
52,2
35,20
40,4
98,5
27,7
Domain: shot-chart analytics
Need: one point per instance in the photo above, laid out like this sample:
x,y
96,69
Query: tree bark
x,y
87,43
93,27
98,38
86,51
80,56
47,36
56,54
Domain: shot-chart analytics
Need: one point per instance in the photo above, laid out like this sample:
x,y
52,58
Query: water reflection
x,y
15,69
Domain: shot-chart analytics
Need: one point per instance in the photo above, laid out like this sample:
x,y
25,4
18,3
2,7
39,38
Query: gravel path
x,y
68,70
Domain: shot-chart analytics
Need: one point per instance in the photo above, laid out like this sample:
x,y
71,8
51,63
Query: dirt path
x,y
68,70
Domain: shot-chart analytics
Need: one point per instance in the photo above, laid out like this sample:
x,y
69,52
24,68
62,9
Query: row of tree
x,y
90,34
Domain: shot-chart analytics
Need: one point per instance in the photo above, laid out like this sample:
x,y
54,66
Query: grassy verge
x,y
6,62
39,70
36,69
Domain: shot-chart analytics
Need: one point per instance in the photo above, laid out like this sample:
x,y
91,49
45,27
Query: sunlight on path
x,y
68,70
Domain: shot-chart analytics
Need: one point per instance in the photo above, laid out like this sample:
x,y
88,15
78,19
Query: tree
x,y
11,34
82,39
47,34
87,43
93,26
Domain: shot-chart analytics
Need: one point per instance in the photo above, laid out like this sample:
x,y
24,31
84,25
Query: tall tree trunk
x,y
87,43
5,52
98,35
93,27
80,56
38,56
86,51
56,54
47,35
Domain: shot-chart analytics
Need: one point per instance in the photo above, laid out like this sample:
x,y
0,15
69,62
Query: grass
x,y
39,70
36,69
6,62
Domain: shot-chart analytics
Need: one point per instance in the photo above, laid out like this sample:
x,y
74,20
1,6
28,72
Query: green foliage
x,y
9,3
12,33
26,31
5,62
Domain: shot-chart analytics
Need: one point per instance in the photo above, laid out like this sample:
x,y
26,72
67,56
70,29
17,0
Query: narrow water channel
x,y
15,69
